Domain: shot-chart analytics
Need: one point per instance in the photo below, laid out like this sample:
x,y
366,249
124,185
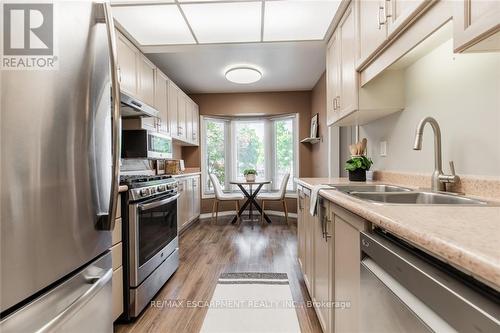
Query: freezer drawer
x,y
81,304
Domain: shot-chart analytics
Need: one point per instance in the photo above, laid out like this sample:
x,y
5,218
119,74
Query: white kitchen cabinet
x,y
173,91
323,264
308,244
181,116
117,264
399,12
347,102
161,102
370,32
196,197
348,94
127,64
189,120
189,201
379,21
146,76
178,115
182,203
333,78
196,125
300,228
476,25
346,261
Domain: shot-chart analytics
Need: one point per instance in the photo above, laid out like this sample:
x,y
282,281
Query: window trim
x,y
270,164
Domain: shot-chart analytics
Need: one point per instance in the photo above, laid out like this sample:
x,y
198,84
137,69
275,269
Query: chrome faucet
x,y
439,179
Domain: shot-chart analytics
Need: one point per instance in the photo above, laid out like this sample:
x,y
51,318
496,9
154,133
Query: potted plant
x,y
357,167
250,174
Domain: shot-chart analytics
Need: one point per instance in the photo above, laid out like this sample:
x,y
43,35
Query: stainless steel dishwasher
x,y
403,289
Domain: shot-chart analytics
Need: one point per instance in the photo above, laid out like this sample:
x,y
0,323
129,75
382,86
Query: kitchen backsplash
x,y
483,186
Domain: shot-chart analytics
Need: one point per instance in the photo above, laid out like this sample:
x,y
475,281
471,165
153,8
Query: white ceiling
x,y
196,41
284,66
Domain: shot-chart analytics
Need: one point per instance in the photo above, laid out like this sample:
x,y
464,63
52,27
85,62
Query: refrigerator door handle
x,y
97,283
107,222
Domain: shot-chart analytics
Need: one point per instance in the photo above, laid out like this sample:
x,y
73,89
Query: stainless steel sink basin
x,y
369,188
422,198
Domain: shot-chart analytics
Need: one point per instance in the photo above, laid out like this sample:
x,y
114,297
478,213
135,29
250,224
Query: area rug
x,y
251,303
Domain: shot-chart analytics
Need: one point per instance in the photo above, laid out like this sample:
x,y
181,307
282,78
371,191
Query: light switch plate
x,y
383,148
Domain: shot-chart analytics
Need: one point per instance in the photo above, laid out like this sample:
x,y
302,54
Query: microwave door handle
x,y
158,203
107,221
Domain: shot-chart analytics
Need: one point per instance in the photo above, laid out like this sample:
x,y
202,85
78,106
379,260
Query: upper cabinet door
x,y
146,81
196,124
399,12
371,27
475,21
172,109
332,78
189,120
348,100
161,101
181,116
127,63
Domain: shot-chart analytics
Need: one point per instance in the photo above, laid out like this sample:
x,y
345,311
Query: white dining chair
x,y
221,196
278,196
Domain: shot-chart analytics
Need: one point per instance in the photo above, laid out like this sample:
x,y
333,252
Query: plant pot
x,y
358,175
250,178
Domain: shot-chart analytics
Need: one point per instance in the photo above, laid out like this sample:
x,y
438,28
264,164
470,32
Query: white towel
x,y
314,198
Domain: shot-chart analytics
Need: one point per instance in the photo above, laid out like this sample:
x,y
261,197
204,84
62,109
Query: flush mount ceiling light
x,y
243,75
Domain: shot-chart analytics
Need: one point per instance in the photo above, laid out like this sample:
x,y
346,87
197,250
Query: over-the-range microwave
x,y
142,143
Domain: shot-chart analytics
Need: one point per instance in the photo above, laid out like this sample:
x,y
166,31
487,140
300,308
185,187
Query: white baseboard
x,y
232,212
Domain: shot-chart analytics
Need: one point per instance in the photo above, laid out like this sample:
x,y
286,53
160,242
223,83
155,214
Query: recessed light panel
x,y
225,22
154,25
298,20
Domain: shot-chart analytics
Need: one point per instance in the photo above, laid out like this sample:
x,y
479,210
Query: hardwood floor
x,y
208,250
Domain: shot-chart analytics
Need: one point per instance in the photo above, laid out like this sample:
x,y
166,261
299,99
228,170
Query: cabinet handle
x,y
338,102
380,22
335,104
327,235
388,5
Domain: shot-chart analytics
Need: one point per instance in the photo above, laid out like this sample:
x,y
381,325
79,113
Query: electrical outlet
x,y
383,148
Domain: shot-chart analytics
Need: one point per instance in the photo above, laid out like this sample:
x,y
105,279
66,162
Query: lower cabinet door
x,y
309,244
117,281
322,278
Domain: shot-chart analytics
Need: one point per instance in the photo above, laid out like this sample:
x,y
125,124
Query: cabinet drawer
x,y
116,255
116,235
117,281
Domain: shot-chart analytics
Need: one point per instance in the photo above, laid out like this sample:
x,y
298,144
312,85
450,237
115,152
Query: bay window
x,y
231,145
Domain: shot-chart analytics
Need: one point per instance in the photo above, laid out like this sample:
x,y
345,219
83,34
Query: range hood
x,y
132,107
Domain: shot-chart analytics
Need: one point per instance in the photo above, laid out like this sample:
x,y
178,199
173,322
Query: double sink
x,y
391,194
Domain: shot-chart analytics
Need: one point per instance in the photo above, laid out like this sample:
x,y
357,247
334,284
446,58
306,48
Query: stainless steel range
x,y
150,235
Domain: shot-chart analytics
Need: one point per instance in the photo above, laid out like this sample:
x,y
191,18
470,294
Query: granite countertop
x,y
465,237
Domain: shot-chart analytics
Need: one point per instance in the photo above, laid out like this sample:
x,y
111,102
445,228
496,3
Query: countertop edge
x,y
474,265
189,174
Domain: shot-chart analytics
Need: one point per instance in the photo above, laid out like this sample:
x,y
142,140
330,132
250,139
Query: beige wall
x,y
462,91
272,103
319,151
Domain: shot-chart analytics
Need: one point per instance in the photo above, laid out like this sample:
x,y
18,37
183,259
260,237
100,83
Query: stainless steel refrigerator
x,y
59,171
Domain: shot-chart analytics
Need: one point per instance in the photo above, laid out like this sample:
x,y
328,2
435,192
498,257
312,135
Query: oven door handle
x,y
158,203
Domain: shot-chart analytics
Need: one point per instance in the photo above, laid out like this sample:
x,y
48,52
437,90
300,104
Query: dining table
x,y
251,196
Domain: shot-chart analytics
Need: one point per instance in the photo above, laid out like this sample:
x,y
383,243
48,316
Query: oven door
x,y
153,235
